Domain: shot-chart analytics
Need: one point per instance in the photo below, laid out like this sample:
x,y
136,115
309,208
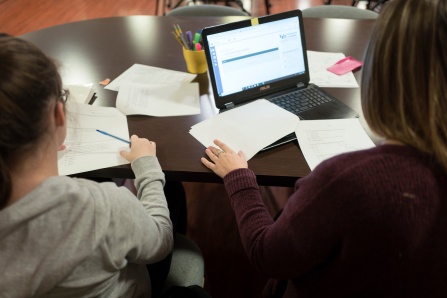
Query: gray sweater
x,y
78,238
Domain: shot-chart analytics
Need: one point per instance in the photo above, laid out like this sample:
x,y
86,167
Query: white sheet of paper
x,y
81,93
173,99
145,74
249,128
87,149
323,139
320,76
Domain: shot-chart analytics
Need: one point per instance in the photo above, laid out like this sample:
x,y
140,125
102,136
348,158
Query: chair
x,y
187,264
338,12
206,10
368,5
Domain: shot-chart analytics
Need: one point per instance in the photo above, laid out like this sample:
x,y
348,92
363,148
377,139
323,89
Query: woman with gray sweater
x,y
61,236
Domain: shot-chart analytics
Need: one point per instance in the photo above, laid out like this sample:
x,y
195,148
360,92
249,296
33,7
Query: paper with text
x,y
323,139
320,76
249,128
173,99
87,149
145,74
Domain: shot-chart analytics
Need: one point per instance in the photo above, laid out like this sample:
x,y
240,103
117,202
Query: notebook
x,y
265,58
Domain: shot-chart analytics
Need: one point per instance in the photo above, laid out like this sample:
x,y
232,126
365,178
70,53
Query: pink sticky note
x,y
345,65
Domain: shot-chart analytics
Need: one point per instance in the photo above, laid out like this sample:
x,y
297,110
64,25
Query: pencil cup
x,y
195,61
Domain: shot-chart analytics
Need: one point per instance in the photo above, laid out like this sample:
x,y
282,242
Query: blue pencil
x,y
107,134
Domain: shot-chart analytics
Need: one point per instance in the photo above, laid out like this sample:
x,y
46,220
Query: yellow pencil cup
x,y
195,61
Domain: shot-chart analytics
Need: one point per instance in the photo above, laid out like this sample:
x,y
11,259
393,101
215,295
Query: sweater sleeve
x,y
302,237
149,181
139,229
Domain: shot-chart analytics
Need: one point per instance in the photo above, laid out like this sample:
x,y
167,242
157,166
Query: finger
x,y
214,150
211,155
124,153
223,146
207,163
242,154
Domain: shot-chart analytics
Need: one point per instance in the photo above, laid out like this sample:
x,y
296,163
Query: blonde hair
x,y
404,80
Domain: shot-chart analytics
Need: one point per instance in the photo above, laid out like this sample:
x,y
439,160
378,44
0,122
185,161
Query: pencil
x,y
178,39
107,134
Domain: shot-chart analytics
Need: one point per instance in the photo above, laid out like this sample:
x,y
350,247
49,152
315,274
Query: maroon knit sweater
x,y
370,223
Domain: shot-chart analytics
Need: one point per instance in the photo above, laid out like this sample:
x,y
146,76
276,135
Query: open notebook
x,y
266,58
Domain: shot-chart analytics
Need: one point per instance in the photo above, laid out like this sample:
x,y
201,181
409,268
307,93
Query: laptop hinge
x,y
229,105
300,85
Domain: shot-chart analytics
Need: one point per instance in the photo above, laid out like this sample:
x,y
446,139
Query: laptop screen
x,y
251,58
257,55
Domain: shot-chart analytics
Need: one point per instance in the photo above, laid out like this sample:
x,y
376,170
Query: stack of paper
x,y
249,128
87,149
153,91
323,139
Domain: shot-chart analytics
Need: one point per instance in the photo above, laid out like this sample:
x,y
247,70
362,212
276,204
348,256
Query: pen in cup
x,y
188,41
107,134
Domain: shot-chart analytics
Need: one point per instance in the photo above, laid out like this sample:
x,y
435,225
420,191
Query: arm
x,y
292,245
149,181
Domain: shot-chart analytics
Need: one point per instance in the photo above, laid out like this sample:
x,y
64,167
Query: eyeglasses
x,y
64,95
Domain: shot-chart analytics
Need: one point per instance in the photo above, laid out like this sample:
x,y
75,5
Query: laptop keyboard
x,y
301,100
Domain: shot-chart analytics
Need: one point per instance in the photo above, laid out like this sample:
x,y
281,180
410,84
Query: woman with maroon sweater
x,y
370,223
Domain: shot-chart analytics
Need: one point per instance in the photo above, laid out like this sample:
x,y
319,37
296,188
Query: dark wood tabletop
x,y
93,50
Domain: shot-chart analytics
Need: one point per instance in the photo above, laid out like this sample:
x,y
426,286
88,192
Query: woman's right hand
x,y
223,160
139,147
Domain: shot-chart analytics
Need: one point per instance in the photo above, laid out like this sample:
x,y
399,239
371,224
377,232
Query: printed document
x,y
322,139
320,76
249,128
145,74
87,149
173,99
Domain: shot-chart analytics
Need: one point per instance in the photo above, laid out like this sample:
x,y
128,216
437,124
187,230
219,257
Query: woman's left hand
x,y
225,160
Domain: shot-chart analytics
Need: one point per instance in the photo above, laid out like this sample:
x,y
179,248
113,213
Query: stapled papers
x,y
322,139
86,149
154,91
249,128
160,100
145,74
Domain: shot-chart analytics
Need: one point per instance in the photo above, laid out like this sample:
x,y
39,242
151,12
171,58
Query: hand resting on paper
x,y
225,160
139,147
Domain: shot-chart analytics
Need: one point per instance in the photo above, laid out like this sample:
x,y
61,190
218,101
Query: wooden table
x,y
93,50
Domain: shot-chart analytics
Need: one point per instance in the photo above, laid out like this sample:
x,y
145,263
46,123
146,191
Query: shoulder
x,y
65,195
370,161
380,170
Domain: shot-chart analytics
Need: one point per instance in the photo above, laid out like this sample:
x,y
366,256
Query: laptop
x,y
266,58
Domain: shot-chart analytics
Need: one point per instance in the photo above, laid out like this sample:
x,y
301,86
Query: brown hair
x,y
404,81
29,80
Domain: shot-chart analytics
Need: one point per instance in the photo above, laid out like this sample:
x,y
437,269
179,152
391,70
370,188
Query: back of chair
x,y
206,10
338,12
187,264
